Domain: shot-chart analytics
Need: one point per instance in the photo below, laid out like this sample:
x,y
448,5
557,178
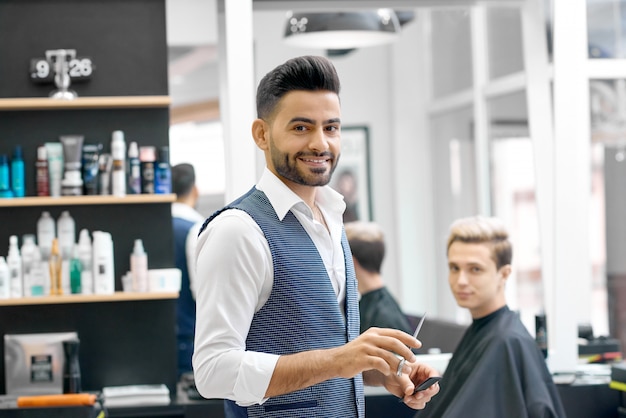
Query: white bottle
x,y
118,175
67,234
139,267
40,276
5,282
85,255
28,250
103,272
14,261
46,232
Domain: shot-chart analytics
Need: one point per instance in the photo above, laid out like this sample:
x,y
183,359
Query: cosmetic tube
x,y
72,150
72,183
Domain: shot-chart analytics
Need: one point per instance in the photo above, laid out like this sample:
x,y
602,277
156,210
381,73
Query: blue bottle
x,y
163,172
5,178
17,173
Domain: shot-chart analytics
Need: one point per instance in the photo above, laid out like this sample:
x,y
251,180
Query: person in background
x,y
186,222
497,370
377,307
277,325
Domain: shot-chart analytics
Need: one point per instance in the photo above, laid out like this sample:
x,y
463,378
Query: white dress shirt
x,y
183,211
234,280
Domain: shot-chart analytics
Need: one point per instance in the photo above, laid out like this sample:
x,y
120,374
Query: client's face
x,y
475,281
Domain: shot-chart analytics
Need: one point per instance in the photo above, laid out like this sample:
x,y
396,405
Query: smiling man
x,y
497,369
277,330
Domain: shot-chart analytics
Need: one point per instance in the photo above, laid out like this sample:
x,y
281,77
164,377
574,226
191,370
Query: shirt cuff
x,y
253,379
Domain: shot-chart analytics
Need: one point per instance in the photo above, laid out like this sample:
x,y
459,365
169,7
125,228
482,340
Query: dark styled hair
x,y
183,179
367,243
301,73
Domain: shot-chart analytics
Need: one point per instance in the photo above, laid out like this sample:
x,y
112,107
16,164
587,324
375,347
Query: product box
x,y
33,363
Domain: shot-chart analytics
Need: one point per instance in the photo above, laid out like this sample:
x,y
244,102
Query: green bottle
x,y
76,268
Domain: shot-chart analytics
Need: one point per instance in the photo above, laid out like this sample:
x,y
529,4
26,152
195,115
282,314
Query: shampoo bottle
x,y
5,282
118,152
18,184
67,234
55,264
103,272
85,255
139,267
14,260
46,232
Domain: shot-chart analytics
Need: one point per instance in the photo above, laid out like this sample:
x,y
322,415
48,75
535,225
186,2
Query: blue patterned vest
x,y
301,314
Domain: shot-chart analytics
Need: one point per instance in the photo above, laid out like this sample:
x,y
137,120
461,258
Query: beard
x,y
287,166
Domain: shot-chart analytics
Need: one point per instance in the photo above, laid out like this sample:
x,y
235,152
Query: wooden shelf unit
x,y
115,297
87,200
103,102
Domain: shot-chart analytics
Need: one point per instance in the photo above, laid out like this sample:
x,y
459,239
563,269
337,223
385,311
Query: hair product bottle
x,y
39,281
5,177
67,234
76,269
41,172
28,266
18,184
5,286
46,232
14,260
134,169
139,267
86,260
71,367
118,152
103,272
55,263
147,156
163,172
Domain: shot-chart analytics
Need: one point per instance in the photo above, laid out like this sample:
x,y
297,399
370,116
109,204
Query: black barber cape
x,y
497,371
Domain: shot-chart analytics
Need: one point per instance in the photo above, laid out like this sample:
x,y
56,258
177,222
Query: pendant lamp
x,y
341,30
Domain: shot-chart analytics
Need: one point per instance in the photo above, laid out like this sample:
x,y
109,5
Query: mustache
x,y
316,154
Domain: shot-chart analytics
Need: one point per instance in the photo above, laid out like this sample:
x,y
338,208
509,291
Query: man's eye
x,y
300,128
332,128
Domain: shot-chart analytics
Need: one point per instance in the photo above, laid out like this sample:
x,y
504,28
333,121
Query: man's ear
x,y
505,271
261,134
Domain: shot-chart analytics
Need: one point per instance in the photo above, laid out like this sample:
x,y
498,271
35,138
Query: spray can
x,y
118,152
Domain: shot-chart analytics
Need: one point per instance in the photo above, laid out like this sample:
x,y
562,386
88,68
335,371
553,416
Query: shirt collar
x,y
283,199
181,210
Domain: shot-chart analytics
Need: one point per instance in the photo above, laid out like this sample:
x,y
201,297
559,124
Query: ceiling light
x,y
341,30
